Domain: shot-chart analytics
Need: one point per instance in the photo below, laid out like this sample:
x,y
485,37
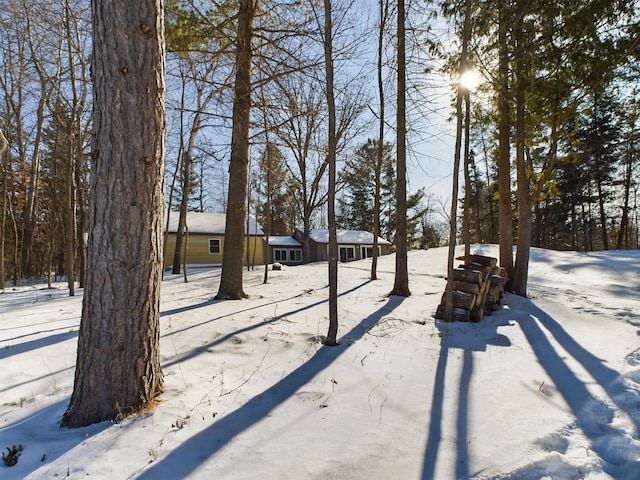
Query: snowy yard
x,y
546,387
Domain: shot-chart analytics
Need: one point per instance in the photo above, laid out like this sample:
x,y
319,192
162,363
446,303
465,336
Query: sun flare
x,y
469,80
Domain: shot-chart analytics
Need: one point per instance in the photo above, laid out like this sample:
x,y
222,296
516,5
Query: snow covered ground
x,y
546,387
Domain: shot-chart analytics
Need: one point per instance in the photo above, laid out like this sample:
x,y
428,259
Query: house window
x,y
367,252
214,245
347,254
287,255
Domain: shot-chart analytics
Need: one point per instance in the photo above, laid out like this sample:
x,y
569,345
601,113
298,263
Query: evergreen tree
x,y
284,210
356,207
599,139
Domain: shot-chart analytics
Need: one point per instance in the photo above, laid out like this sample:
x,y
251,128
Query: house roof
x,y
211,223
354,237
280,241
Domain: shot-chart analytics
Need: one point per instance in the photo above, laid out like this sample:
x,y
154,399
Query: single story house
x,y
206,237
352,244
285,250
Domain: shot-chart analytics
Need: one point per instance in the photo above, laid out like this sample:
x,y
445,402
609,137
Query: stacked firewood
x,y
478,287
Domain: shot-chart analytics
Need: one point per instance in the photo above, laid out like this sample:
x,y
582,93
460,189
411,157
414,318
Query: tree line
x,y
287,92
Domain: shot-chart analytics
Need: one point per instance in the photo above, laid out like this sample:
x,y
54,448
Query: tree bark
x,y
29,212
449,295
182,215
232,261
627,183
4,157
401,281
118,365
505,224
466,220
74,156
331,201
384,10
384,14
521,270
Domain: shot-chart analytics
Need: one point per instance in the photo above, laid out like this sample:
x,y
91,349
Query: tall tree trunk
x,y
17,275
4,158
384,11
181,239
603,213
464,64
172,190
75,151
306,231
232,261
29,213
267,227
247,232
331,202
401,282
521,270
269,186
448,308
70,221
505,223
453,218
118,363
627,183
186,165
466,220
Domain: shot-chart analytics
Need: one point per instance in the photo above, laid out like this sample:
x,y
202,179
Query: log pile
x,y
478,287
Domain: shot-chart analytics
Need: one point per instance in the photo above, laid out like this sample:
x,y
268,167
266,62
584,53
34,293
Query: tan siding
x,y
198,250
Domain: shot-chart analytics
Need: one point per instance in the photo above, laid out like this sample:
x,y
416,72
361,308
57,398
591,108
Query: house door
x,y
347,254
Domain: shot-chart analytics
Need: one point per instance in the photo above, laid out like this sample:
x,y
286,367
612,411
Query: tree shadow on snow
x,y
186,458
44,441
207,347
593,415
37,343
468,338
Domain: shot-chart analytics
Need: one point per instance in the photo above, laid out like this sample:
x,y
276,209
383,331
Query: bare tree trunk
x,y
71,219
268,167
306,230
384,14
182,219
627,183
267,227
186,161
466,219
4,158
185,274
118,363
29,212
17,274
505,223
247,232
448,307
332,147
401,282
521,270
184,167
165,239
231,278
603,212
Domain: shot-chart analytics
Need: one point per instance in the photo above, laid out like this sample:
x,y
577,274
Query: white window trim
x,y
219,246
